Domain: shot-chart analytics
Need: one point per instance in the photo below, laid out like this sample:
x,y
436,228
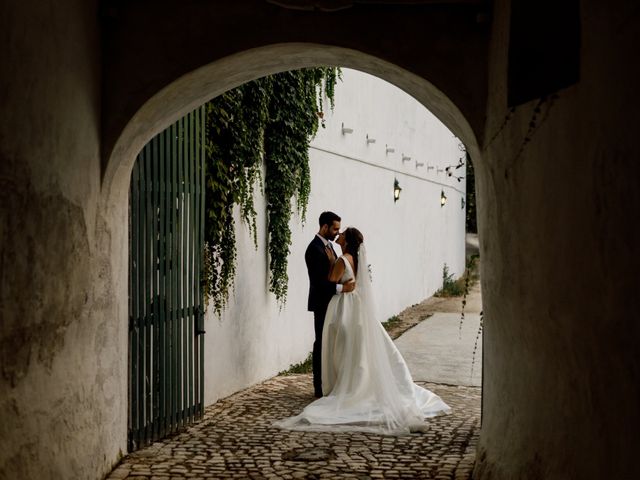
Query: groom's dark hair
x,y
327,218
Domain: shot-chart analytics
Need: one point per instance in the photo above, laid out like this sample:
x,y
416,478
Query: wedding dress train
x,y
365,380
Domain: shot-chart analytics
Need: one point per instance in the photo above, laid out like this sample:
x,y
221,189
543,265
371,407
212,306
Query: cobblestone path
x,y
236,440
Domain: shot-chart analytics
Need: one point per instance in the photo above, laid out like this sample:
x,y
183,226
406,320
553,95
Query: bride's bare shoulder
x,y
349,258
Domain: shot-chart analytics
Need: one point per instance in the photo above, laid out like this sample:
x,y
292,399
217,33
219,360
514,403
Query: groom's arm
x,y
318,264
322,277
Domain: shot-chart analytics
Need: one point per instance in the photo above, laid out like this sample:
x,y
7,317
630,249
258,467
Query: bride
x,y
365,380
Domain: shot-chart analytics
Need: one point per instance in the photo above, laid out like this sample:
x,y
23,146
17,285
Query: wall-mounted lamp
x,y
389,149
346,129
443,198
419,164
430,167
438,170
462,203
370,140
396,190
405,158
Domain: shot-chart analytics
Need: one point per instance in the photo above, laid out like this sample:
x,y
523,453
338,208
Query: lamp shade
x,y
396,190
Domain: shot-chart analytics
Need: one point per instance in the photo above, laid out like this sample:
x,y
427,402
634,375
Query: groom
x,y
319,257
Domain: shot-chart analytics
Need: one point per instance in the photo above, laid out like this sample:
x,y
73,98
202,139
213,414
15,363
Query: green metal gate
x,y
166,314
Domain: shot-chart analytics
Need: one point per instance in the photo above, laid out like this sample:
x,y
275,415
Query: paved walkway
x,y
444,350
236,439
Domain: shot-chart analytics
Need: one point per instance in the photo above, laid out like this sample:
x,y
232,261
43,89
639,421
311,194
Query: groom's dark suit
x,y
320,292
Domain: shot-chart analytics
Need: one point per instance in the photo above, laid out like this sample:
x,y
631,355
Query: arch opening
x,y
149,133
198,86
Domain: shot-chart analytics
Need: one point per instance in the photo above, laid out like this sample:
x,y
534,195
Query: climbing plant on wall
x,y
270,120
471,220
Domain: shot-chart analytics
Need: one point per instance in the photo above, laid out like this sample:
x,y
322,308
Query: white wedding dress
x,y
366,382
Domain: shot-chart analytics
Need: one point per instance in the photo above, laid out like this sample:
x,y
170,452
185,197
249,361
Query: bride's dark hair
x,y
354,238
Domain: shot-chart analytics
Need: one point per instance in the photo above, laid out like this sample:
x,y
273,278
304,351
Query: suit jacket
x,y
320,288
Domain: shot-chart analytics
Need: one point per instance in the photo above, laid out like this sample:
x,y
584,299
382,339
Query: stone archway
x,y
210,80
195,88
558,211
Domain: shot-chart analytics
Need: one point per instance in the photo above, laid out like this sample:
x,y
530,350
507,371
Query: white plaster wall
x,y
408,241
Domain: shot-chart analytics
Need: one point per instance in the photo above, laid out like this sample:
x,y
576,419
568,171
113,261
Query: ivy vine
x,y
270,120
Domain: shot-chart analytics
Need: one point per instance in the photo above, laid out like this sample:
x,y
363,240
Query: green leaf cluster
x,y
450,287
270,120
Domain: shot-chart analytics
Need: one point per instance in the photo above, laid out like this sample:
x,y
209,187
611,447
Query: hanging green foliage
x,y
271,119
471,221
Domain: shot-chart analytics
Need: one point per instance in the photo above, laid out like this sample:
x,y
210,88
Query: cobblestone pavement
x,y
236,440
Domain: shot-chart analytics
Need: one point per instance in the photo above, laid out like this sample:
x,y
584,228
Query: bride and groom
x,y
360,379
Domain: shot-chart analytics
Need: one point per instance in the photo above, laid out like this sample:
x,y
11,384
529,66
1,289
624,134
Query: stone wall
x,y
63,394
559,249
